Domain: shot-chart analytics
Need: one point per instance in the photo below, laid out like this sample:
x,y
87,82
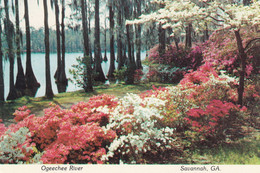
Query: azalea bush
x,y
140,136
138,75
202,107
65,135
221,50
218,122
2,128
17,148
174,63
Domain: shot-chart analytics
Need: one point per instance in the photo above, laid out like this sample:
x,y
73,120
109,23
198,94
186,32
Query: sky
x,y
36,14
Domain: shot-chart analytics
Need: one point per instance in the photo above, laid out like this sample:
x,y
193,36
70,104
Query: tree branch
x,y
251,41
218,20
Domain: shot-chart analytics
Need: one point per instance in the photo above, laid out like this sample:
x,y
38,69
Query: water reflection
x,y
38,65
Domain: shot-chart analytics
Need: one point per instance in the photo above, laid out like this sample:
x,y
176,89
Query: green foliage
x,y
79,72
120,74
173,64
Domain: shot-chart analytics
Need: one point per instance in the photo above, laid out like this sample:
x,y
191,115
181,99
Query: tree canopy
x,y
178,14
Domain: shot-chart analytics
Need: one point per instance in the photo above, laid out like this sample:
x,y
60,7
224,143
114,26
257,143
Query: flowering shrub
x,y
78,144
2,128
21,113
206,85
138,75
141,139
16,148
66,135
194,107
221,51
219,121
173,64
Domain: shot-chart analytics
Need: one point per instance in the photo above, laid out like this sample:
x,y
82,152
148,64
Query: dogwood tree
x,y
207,14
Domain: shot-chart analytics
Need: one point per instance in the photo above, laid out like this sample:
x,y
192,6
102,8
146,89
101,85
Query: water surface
x,y
38,65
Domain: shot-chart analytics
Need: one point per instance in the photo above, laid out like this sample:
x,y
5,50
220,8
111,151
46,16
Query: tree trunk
x,y
97,49
131,65
246,2
57,12
188,43
31,81
88,83
162,44
243,57
176,41
112,50
63,78
2,88
20,84
49,92
206,34
138,36
9,31
105,41
119,38
89,33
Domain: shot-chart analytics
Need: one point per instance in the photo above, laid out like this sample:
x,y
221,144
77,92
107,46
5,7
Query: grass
x,y
244,151
65,100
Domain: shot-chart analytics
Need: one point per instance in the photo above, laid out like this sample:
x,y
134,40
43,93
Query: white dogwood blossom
x,y
178,14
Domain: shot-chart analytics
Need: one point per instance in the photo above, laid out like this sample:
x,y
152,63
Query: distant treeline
x,y
73,41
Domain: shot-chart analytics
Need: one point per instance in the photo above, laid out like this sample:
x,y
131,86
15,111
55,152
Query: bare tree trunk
x,y
89,86
138,36
9,31
176,41
131,64
57,12
162,44
112,49
89,33
246,2
31,81
20,84
105,41
97,49
188,43
206,33
119,38
62,81
49,92
63,77
2,88
243,57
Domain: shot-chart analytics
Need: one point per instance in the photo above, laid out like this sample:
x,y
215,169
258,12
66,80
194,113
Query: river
x,y
38,65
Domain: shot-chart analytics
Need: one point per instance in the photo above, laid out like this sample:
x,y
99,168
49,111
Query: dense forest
x,y
206,53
